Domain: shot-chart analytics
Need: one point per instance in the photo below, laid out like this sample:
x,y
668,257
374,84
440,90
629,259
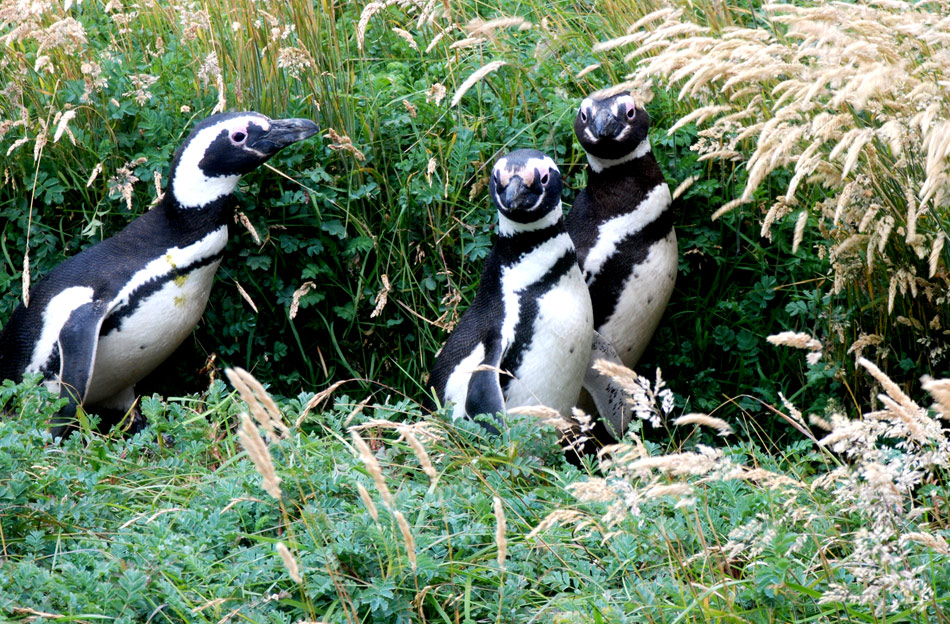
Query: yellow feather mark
x,y
171,261
179,301
180,280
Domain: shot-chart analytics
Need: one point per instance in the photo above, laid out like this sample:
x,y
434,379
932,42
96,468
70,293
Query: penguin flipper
x,y
484,392
78,341
607,395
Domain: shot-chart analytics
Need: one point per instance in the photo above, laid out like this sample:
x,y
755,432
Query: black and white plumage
x,y
106,317
525,340
622,225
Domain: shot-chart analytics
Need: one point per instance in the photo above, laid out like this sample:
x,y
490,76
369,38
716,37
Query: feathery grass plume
x,y
257,450
652,403
25,278
799,340
705,420
436,93
818,421
95,174
501,541
799,230
407,538
593,490
479,27
382,297
420,452
556,517
62,125
369,11
475,77
849,98
17,144
302,290
407,37
246,296
343,143
935,253
368,502
240,217
545,415
586,70
676,490
372,466
424,429
793,412
289,562
934,542
939,389
122,182
262,406
683,186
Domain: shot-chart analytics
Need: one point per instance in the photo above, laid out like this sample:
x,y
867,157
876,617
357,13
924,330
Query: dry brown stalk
x,y
257,450
501,541
407,537
372,466
289,562
262,406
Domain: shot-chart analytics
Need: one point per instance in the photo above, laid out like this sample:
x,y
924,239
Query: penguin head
x,y
525,186
612,128
224,147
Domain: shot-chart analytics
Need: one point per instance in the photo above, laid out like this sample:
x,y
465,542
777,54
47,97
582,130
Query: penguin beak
x,y
283,132
603,124
518,196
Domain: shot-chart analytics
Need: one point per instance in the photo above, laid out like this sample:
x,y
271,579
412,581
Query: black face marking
x,y
228,156
246,140
612,127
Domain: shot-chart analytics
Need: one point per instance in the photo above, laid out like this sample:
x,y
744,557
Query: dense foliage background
x,y
378,229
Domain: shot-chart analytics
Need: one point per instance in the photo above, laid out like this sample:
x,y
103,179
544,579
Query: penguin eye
x,y
544,179
631,113
583,116
239,137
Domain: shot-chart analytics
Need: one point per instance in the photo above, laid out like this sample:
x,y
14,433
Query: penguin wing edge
x,y
607,395
485,395
78,341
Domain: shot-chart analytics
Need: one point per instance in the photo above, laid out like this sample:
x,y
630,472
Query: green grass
x,y
173,525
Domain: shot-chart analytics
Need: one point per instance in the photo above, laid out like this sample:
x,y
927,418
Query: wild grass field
x,y
799,377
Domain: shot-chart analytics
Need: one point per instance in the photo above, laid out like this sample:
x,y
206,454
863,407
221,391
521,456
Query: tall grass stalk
x,y
839,106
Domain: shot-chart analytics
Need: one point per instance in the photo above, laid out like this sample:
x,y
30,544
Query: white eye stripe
x,y
504,171
190,186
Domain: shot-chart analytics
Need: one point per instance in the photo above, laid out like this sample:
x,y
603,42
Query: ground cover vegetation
x,y
798,470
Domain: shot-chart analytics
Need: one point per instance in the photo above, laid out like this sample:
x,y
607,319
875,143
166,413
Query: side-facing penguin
x,y
622,226
525,340
103,319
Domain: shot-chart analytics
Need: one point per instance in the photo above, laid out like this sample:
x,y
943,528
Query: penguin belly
x,y
646,292
552,369
152,316
145,339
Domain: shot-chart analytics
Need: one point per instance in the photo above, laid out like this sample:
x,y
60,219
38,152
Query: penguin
x,y
103,319
525,339
622,228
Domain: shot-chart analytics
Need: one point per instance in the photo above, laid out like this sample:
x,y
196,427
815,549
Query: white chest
x,y
642,302
153,314
552,368
611,233
159,324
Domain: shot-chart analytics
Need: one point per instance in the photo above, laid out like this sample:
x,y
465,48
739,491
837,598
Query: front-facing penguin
x,y
525,340
106,317
622,226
